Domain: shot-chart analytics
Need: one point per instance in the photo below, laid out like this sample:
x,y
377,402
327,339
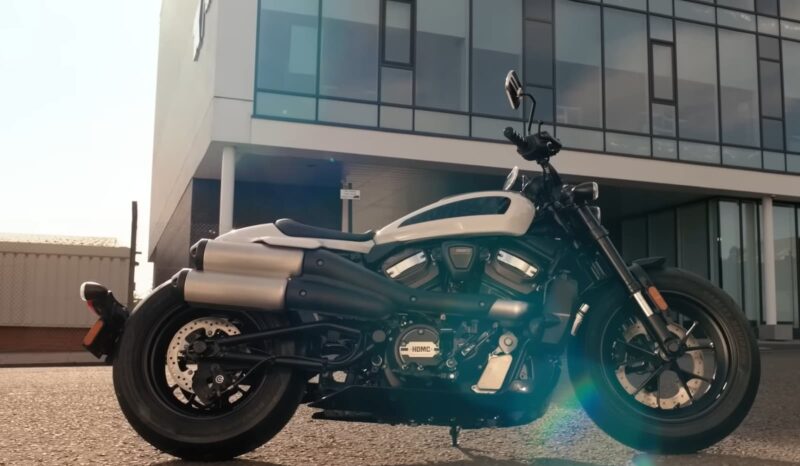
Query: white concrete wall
x,y
39,283
189,93
183,106
410,149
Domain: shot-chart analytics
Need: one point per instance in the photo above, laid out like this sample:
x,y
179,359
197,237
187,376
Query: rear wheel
x,y
159,389
678,404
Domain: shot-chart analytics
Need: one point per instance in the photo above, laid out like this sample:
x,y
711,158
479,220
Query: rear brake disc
x,y
181,371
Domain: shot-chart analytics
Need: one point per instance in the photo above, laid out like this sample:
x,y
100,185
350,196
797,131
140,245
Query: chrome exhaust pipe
x,y
221,289
247,259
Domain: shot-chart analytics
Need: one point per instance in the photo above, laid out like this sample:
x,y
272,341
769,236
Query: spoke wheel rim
x,y
703,396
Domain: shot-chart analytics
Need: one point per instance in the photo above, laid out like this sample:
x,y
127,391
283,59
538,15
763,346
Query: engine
x,y
467,267
427,348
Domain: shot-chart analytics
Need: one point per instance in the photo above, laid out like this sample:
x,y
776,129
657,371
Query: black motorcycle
x,y
455,315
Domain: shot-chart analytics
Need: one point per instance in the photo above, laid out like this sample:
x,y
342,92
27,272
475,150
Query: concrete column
x,y
771,330
227,182
768,260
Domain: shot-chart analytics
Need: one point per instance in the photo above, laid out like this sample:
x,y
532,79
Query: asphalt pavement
x,y
68,415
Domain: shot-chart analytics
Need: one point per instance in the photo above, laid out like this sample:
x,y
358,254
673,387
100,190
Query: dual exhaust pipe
x,y
259,276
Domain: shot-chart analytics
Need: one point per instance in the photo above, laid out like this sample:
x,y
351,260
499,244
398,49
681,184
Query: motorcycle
x,y
456,315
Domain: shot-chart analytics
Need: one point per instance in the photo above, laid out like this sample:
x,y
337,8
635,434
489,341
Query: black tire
x,y
653,430
222,436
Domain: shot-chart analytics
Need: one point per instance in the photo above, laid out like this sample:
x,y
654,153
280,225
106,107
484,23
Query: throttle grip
x,y
514,137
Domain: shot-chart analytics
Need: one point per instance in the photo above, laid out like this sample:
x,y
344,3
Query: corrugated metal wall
x,y
39,282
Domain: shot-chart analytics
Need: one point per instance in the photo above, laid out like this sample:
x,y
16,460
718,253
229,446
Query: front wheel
x,y
158,389
680,404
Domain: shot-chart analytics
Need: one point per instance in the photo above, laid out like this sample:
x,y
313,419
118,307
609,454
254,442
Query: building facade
x,y
686,111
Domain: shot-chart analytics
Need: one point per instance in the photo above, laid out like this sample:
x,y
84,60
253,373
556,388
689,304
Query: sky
x,y
77,96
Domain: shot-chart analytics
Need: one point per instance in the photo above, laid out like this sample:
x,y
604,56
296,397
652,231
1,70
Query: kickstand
x,y
454,431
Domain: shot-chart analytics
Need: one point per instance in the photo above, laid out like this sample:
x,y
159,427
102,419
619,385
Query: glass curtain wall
x,y
695,81
718,240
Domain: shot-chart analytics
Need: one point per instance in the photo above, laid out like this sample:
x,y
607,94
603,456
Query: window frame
x,y
412,35
653,43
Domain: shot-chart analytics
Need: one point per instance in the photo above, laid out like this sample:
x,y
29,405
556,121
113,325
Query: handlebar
x,y
538,147
515,138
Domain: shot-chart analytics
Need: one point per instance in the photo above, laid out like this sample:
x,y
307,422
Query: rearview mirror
x,y
513,89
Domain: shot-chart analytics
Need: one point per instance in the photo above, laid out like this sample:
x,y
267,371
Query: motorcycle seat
x,y
294,228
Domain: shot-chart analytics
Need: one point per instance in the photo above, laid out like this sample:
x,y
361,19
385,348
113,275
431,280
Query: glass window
x,y
663,72
771,89
397,118
767,7
441,123
773,133
442,55
730,249
575,138
635,4
697,82
287,46
661,28
768,25
349,113
663,7
627,96
538,53
634,239
539,9
736,19
286,106
751,279
785,262
790,9
661,235
665,148
790,29
769,48
491,128
793,163
696,152
739,157
738,78
628,144
496,48
775,161
694,11
693,238
791,81
578,66
741,4
663,120
544,103
397,35
349,56
713,240
396,85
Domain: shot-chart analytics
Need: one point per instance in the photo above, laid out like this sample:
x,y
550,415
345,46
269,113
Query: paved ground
x,y
69,416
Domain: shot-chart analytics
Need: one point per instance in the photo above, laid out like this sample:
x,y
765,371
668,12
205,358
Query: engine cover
x,y
419,345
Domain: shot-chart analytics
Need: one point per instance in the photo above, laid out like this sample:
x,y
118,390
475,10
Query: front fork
x,y
637,284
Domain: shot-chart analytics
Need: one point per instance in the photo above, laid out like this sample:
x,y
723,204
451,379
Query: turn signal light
x,y
657,299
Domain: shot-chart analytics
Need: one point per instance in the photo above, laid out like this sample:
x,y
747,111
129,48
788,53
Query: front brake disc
x,y
653,398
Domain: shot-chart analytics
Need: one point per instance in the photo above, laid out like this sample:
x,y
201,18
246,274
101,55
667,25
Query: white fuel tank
x,y
488,213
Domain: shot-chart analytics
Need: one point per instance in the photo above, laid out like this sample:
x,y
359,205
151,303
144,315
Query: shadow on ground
x,y
480,458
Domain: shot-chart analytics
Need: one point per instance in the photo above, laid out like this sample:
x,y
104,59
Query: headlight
x,y
585,192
